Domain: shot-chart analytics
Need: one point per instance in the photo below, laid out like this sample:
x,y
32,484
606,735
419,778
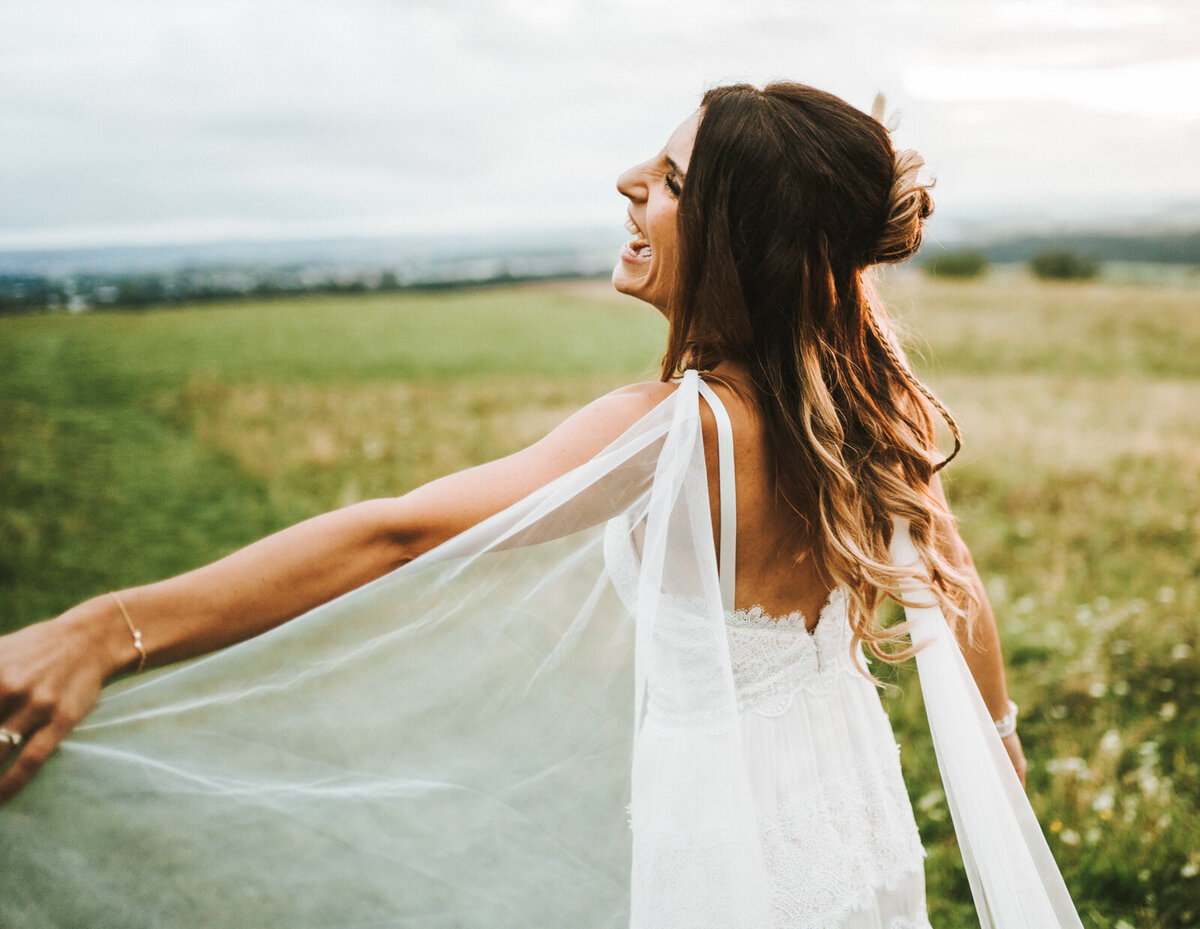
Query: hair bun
x,y
909,205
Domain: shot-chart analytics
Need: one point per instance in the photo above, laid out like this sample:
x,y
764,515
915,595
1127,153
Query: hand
x,y
1012,744
50,678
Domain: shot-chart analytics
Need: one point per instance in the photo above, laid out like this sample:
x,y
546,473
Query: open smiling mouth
x,y
637,248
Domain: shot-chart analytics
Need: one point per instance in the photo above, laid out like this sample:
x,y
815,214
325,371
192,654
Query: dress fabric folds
x,y
554,719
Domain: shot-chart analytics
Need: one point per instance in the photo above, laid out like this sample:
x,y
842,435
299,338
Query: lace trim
x,y
758,617
774,658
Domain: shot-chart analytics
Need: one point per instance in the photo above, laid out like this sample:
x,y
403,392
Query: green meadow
x,y
137,445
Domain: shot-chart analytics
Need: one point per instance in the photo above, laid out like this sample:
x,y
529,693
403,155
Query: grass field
x,y
137,445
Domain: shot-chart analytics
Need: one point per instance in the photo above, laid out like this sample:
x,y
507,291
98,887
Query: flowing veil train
x,y
452,744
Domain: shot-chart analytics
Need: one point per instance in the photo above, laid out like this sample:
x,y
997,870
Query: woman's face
x,y
646,269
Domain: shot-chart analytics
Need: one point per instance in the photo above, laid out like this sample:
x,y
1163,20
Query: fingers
x,y
1012,744
10,744
50,679
29,758
39,720
20,724
19,737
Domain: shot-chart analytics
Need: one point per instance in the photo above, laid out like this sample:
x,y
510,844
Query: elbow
x,y
403,538
402,546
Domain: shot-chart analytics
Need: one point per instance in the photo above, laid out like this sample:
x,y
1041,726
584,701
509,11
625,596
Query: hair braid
x,y
902,366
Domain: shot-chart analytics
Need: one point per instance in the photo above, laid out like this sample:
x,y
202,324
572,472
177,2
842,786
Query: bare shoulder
x,y
636,399
593,427
621,408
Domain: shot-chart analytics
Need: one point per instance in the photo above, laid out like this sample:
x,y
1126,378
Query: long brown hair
x,y
791,195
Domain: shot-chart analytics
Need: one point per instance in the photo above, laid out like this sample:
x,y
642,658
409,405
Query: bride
x,y
616,678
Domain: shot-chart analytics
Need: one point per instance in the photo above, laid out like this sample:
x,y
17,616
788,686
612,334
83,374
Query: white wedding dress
x,y
554,719
839,844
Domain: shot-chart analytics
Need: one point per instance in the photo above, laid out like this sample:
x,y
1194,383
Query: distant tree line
x,y
1051,264
1159,248
26,293
1066,257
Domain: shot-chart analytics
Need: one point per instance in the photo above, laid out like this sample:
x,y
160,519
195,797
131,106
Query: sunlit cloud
x,y
1157,89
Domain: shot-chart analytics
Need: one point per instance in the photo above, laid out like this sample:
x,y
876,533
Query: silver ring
x,y
7,736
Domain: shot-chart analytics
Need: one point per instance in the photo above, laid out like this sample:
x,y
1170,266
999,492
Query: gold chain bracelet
x,y
133,631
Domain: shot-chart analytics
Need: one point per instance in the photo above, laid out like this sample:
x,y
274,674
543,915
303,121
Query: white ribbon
x,y
1014,879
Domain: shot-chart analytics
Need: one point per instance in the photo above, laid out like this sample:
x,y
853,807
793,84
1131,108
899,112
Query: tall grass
x,y
138,445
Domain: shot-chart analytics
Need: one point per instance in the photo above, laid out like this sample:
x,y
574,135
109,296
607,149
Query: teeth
x,y
639,242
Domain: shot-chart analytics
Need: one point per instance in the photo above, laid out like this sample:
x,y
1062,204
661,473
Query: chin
x,y
623,285
637,287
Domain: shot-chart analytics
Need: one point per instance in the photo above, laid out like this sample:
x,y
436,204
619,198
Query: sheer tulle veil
x,y
457,743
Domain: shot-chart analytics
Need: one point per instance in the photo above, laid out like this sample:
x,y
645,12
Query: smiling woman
x,y
648,262
616,678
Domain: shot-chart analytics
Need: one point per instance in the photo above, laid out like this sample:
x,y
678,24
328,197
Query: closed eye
x,y
673,176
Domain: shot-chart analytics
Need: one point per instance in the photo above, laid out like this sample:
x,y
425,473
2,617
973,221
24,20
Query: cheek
x,y
664,230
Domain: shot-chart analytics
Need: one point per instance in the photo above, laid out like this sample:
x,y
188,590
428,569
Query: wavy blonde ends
x,y
791,196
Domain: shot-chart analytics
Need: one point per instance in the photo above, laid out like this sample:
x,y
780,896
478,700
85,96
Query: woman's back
x,y
772,572
832,819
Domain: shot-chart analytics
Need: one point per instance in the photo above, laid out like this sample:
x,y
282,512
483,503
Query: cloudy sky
x,y
154,121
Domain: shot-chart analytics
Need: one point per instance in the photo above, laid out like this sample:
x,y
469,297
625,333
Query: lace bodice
x,y
773,658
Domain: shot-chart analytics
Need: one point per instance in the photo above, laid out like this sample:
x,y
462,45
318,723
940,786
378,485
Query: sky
x,y
156,121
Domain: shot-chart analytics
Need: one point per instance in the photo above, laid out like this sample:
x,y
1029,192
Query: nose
x,y
632,183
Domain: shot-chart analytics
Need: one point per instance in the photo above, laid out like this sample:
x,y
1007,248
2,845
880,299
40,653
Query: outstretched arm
x,y
51,673
982,652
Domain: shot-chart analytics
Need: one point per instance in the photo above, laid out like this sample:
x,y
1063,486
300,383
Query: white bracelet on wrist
x,y
1006,725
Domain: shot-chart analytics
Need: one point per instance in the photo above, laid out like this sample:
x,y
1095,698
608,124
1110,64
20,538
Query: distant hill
x,y
1159,248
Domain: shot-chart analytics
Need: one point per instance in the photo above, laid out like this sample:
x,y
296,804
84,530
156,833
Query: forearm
x,y
979,637
247,592
981,648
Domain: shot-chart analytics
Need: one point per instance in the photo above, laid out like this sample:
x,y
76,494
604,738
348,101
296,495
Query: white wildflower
x,y
1071,765
930,800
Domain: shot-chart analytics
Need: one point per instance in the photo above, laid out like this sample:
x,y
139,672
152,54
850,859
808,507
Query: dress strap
x,y
728,557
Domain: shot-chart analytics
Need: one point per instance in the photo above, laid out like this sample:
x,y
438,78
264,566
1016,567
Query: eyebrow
x,y
674,167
